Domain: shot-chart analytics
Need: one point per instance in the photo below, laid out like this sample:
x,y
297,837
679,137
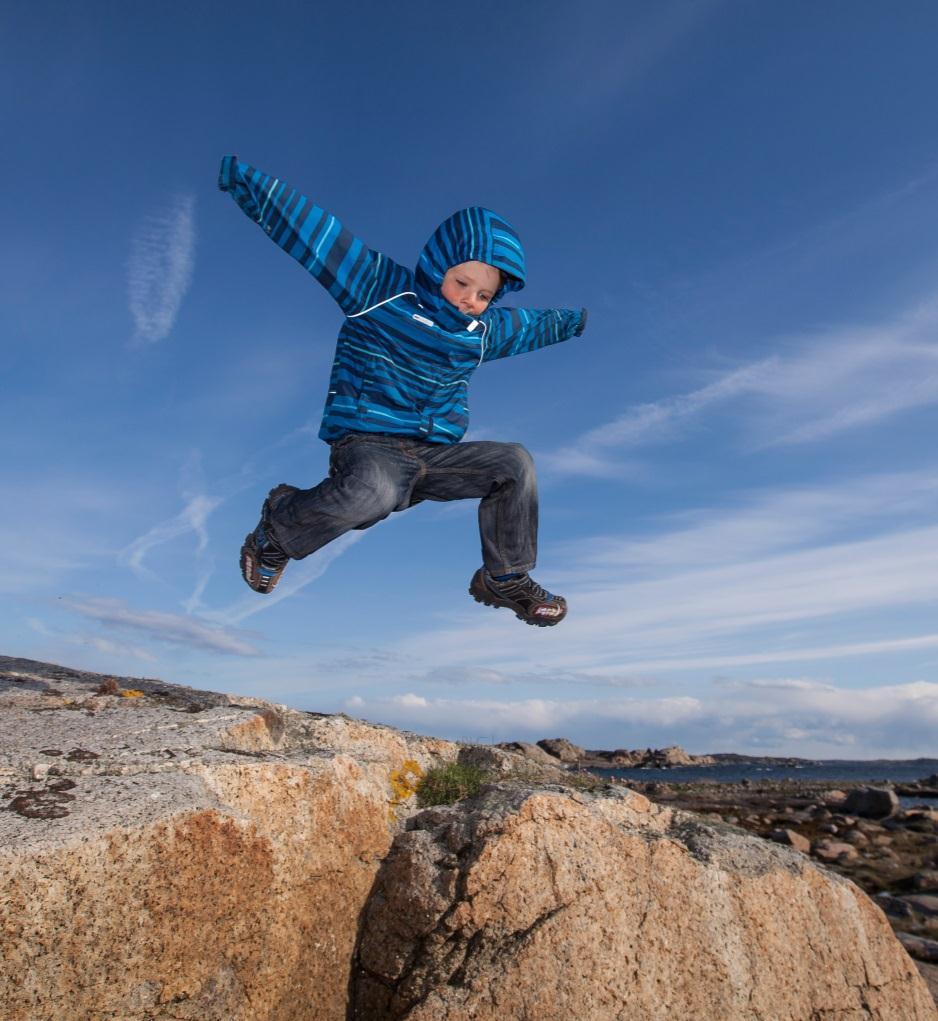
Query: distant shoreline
x,y
909,777
719,757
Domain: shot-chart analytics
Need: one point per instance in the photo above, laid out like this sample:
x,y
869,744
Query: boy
x,y
397,402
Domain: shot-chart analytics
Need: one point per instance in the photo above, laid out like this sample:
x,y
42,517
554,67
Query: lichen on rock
x,y
193,855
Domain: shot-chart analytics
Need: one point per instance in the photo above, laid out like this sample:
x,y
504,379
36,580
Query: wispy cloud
x,y
198,506
815,387
192,518
762,522
164,627
297,576
608,69
647,424
54,536
621,622
162,255
119,650
787,574
541,675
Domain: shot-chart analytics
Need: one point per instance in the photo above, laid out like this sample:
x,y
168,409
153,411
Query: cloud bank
x,y
792,716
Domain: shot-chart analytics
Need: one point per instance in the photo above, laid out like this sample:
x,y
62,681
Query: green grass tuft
x,y
444,785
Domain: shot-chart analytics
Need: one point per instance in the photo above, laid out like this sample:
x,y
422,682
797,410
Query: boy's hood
x,y
469,235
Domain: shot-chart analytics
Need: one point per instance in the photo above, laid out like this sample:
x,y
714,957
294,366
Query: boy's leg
x,y
502,477
368,478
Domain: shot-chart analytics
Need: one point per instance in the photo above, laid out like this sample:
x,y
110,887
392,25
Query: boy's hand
x,y
227,172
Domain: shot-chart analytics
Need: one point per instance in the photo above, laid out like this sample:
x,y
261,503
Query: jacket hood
x,y
469,235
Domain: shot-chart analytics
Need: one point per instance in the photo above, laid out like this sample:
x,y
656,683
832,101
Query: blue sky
x,y
738,468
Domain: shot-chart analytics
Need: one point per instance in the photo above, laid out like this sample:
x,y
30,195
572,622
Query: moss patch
x,y
444,785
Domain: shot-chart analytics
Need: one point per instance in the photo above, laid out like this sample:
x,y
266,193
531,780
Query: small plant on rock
x,y
404,783
444,785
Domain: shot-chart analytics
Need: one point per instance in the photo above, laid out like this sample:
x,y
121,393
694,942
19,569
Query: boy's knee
x,y
367,502
519,463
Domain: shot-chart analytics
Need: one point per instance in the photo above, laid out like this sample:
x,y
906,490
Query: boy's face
x,y
470,286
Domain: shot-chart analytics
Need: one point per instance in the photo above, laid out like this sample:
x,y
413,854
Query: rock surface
x,y
530,751
169,854
548,905
184,855
643,758
561,749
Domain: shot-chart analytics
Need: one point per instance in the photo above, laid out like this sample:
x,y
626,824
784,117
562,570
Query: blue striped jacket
x,y
404,354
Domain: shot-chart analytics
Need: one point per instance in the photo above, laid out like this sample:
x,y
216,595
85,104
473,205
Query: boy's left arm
x,y
512,331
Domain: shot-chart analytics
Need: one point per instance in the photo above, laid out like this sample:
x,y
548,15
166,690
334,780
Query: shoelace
x,y
269,553
525,585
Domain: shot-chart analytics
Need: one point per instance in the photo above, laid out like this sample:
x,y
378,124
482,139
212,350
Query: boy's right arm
x,y
355,275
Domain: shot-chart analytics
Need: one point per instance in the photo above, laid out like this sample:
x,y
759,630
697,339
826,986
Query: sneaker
x,y
262,560
531,603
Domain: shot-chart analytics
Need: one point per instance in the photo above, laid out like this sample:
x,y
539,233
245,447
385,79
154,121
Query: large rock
x,y
554,906
529,751
175,855
644,758
674,755
562,749
501,763
186,855
871,802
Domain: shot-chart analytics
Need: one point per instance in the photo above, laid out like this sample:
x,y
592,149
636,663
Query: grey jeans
x,y
372,475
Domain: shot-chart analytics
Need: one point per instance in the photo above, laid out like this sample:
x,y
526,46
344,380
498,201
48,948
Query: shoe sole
x,y
250,569
250,565
489,598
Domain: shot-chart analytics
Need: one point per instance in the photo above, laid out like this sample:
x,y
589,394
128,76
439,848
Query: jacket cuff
x,y
583,316
227,172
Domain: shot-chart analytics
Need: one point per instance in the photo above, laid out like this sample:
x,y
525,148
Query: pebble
x,y
919,947
792,839
922,903
894,906
833,850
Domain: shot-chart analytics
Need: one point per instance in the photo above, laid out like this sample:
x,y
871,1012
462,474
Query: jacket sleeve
x,y
512,331
356,276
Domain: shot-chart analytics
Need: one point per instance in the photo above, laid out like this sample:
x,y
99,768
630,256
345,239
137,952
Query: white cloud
x,y
162,256
164,627
534,715
793,716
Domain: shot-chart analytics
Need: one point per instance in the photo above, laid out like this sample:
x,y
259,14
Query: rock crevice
x,y
175,855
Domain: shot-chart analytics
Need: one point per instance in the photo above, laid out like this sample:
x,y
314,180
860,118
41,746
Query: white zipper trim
x,y
355,315
485,330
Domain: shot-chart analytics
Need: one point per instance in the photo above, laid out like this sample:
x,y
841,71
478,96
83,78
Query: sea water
x,y
829,771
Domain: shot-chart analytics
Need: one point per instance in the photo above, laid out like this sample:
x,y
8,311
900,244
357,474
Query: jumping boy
x,y
397,402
